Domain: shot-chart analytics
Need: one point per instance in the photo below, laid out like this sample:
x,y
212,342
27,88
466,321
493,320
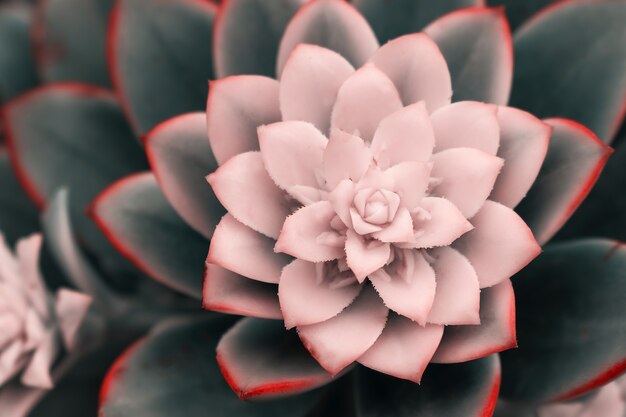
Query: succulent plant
x,y
381,182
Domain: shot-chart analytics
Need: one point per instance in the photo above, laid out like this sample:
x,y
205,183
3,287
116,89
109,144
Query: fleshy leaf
x,y
160,57
17,67
460,390
137,219
247,35
181,158
392,19
566,72
260,359
70,40
333,24
477,45
184,379
573,164
570,322
18,215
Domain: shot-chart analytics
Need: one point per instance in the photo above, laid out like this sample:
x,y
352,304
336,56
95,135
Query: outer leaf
x,y
252,50
69,38
17,67
571,322
137,219
603,213
461,390
574,161
260,359
392,19
181,158
564,71
18,215
173,372
477,45
160,57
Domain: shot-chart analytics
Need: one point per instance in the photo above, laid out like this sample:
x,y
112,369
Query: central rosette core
x,y
373,209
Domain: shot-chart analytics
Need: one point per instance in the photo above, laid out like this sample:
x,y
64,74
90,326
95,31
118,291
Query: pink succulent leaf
x,y
477,45
18,215
312,293
292,153
392,20
560,326
332,24
236,106
17,63
364,99
34,323
573,163
336,167
240,249
230,293
440,224
467,124
457,298
70,41
495,333
524,142
192,383
418,70
259,359
404,136
461,390
404,349
138,220
309,84
486,242
138,36
180,157
245,189
593,92
254,50
357,328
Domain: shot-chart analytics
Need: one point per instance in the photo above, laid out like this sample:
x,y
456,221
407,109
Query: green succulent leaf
x,y
571,62
173,372
571,322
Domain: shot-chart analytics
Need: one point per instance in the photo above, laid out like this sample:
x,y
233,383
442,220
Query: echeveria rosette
x,y
36,325
393,219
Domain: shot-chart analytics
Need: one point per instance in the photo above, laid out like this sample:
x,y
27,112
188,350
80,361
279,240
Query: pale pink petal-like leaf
x,y
410,181
418,70
292,153
399,230
466,177
404,349
366,98
335,25
245,188
444,224
307,234
365,257
37,373
457,298
495,333
467,124
240,249
236,106
341,340
524,141
27,251
230,293
499,234
309,84
306,298
71,308
412,295
345,157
